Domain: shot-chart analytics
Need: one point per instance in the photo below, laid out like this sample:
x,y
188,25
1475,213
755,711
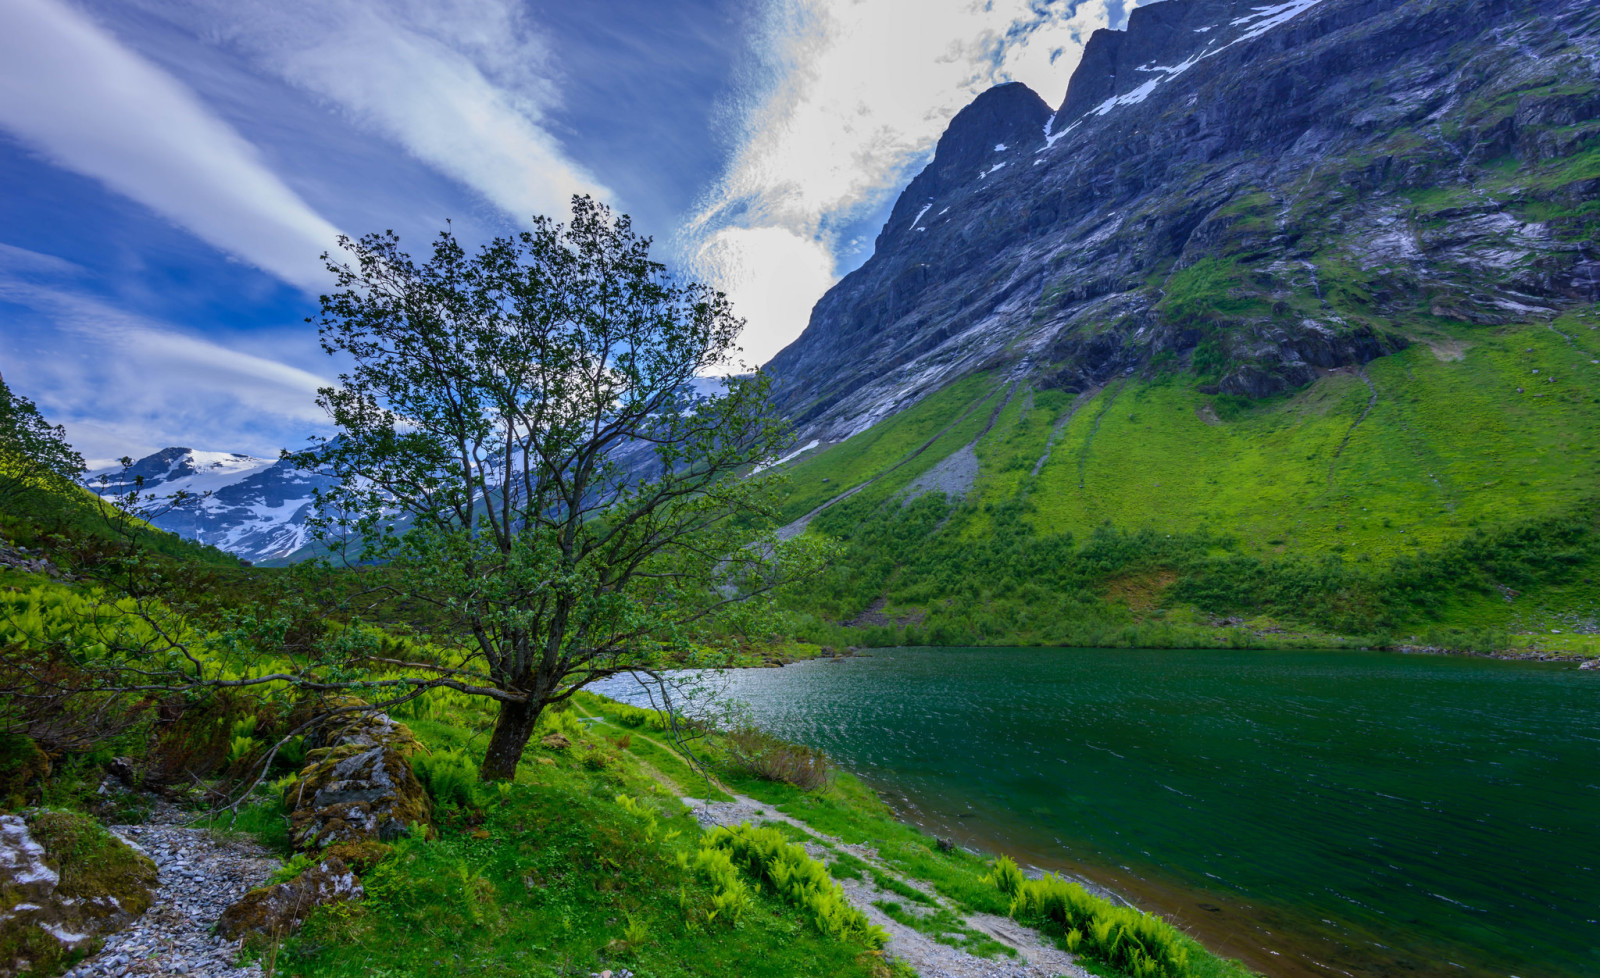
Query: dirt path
x,y
1035,957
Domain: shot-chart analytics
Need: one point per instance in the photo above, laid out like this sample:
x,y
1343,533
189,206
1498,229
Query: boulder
x,y
357,788
65,882
281,908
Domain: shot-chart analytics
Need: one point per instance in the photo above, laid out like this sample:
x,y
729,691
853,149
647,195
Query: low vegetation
x,y
1426,501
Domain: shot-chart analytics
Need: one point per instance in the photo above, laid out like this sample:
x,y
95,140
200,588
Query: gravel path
x,y
200,875
1035,958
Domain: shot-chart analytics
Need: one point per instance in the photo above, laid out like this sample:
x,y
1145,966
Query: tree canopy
x,y
527,440
34,454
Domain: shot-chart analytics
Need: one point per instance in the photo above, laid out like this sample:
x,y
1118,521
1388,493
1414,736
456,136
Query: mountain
x,y
253,507
1285,316
1340,169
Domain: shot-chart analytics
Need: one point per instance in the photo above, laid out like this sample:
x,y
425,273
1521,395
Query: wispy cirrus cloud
x,y
127,384
845,99
464,86
71,91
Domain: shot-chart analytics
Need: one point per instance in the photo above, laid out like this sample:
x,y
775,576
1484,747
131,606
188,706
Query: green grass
x,y
1358,489
825,474
553,875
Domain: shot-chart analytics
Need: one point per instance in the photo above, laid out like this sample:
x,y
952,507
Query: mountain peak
x,y
1003,121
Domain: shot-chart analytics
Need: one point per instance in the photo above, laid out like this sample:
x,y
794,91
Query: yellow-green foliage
x,y
634,716
241,740
90,624
730,894
1139,944
449,776
1006,877
767,856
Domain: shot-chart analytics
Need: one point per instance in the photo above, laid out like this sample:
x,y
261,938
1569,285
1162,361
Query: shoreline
x,y
1586,660
1282,940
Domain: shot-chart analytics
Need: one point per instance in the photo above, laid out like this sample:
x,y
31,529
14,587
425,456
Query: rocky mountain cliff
x,y
1254,194
253,507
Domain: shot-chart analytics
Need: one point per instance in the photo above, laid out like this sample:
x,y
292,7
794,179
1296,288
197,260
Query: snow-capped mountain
x,y
256,508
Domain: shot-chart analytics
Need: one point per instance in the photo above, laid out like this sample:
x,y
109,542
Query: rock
x,y
358,788
1158,217
281,908
556,741
123,770
65,882
1591,664
359,856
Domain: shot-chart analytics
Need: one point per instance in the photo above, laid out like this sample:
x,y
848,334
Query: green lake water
x,y
1312,813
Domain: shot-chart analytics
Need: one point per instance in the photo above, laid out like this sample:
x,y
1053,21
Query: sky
x,y
171,170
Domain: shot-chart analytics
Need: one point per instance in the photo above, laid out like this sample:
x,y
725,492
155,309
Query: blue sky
x,y
171,169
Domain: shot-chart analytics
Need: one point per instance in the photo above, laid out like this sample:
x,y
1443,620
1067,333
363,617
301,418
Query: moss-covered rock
x,y
358,788
279,909
359,856
65,882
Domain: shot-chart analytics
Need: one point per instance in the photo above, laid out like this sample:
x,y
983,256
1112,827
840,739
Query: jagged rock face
x,y
64,884
358,788
257,508
1251,193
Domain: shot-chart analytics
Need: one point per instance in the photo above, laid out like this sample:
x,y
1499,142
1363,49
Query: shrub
x,y
797,878
1006,877
634,716
449,777
1136,943
760,754
730,894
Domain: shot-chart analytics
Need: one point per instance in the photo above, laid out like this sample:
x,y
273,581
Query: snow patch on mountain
x,y
257,508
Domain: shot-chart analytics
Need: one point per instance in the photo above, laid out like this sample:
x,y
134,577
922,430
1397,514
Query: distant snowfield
x,y
215,470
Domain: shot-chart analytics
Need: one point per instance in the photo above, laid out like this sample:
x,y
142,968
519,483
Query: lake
x,y
1313,813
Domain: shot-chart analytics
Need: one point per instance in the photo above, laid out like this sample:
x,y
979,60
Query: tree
x,y
521,442
34,454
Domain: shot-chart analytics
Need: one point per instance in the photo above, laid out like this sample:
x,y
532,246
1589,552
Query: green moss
x,y
22,766
103,885
92,862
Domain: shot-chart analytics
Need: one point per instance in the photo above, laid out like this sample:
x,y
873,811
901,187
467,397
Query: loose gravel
x,y
200,874
1036,958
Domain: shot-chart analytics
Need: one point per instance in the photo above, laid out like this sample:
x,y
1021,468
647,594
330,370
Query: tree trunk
x,y
512,728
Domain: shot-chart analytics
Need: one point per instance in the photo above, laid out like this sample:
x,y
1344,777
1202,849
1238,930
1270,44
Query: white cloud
x,y
463,85
124,384
772,275
848,98
72,91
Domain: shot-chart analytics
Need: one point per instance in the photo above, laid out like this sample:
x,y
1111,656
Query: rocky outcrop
x,y
1254,193
280,909
65,882
357,786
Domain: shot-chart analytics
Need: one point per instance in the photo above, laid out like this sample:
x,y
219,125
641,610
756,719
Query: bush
x,y
1136,943
755,752
797,878
449,777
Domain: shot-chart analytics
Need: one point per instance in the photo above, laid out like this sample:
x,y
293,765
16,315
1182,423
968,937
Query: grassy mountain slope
x,y
1423,491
